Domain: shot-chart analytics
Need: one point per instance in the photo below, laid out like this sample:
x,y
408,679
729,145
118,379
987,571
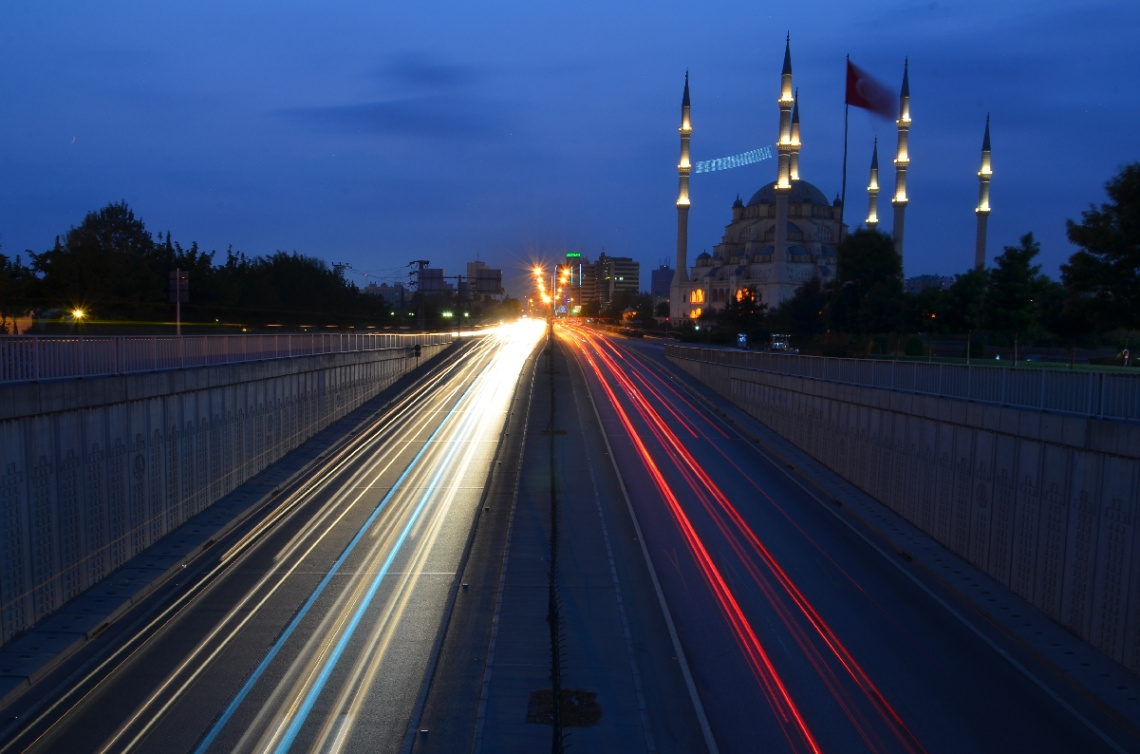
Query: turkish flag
x,y
869,94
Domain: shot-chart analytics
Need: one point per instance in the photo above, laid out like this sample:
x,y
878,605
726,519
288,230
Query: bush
x,y
915,347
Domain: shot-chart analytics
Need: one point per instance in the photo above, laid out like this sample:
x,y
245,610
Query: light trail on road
x,y
840,674
313,631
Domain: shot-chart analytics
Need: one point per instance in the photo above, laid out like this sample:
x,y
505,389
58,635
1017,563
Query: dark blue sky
x,y
378,133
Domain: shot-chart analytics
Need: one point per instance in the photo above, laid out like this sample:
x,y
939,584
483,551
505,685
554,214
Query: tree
x,y
1065,315
802,315
643,306
1106,269
742,312
868,295
16,283
965,304
1014,284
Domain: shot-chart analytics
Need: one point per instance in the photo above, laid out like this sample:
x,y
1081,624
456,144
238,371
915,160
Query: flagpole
x,y
843,194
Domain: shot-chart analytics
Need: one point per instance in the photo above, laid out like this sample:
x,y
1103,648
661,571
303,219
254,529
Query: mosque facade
x,y
788,232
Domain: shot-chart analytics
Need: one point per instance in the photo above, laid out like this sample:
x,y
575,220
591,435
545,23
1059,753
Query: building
x,y
660,281
786,234
483,281
920,283
614,274
393,294
598,282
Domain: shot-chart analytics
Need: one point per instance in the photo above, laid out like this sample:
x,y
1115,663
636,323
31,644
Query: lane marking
x,y
682,659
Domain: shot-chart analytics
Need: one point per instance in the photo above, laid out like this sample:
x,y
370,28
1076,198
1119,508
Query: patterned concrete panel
x,y
1044,503
83,491
1080,560
1053,534
1026,518
1116,621
1004,502
963,498
981,503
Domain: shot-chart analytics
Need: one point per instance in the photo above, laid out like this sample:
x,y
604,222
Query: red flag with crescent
x,y
865,92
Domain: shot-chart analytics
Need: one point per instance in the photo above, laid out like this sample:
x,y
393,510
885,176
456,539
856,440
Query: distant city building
x,y
661,278
597,282
393,294
483,280
613,274
920,283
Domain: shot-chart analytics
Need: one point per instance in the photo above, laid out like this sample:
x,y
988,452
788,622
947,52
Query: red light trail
x,y
772,580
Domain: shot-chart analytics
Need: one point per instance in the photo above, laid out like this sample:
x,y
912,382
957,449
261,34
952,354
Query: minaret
x,y
785,147
794,161
873,190
902,160
678,305
983,210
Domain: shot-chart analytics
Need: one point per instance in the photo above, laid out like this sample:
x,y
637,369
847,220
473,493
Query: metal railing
x,y
1087,393
28,358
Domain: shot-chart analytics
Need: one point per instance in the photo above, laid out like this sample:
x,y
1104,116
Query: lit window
x,y
697,296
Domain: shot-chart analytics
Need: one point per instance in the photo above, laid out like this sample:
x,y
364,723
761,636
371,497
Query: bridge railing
x,y
27,358
1104,394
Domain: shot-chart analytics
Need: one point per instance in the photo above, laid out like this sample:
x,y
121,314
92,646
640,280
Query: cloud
x,y
428,117
422,72
423,96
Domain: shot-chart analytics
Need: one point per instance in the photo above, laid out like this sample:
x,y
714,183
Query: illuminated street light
x,y
78,314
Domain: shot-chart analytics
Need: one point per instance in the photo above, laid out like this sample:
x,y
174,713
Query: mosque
x,y
788,232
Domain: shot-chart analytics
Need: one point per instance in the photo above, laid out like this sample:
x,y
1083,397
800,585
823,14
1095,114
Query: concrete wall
x,y
94,471
1044,503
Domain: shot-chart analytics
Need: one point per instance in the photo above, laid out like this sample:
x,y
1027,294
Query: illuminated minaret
x,y
794,161
902,161
983,210
677,293
873,190
785,147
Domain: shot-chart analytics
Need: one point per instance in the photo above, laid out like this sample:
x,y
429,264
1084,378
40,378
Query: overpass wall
x,y
1045,503
94,471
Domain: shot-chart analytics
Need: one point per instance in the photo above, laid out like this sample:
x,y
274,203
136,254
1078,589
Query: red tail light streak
x,y
872,718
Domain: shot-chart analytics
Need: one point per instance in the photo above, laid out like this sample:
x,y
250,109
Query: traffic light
x,y
417,347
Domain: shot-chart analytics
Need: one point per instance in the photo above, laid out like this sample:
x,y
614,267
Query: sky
x,y
375,134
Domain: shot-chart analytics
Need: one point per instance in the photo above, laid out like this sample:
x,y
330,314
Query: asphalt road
x,y
709,599
314,631
801,635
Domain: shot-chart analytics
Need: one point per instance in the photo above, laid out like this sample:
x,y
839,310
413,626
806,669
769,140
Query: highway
x,y
710,599
801,634
314,630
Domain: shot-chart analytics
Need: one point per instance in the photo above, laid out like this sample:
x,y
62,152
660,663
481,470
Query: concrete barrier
x,y
1045,503
94,471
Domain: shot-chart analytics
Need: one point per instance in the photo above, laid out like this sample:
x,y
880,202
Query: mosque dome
x,y
802,193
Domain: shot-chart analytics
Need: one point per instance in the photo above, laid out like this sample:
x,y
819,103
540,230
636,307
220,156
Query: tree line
x,y
1012,304
117,273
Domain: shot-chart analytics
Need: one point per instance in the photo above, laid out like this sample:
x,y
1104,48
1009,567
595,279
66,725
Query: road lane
x,y
315,634
801,636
